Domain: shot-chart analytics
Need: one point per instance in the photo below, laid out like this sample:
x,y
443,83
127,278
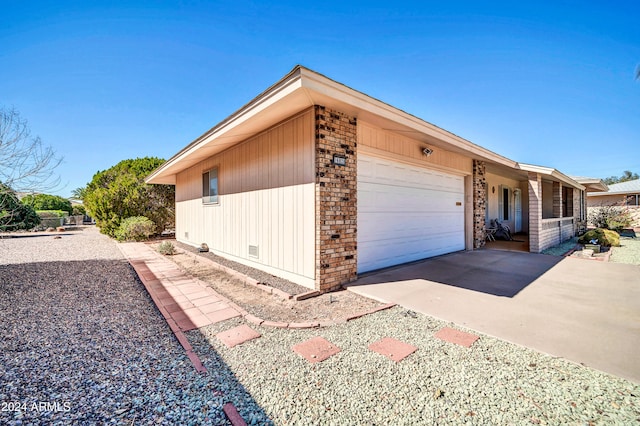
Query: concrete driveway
x,y
582,310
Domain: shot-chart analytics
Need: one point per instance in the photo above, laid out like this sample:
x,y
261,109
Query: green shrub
x,y
167,248
605,237
47,202
48,214
13,214
78,210
136,228
120,192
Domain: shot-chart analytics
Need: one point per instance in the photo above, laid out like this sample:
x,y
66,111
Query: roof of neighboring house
x,y
628,187
590,183
303,88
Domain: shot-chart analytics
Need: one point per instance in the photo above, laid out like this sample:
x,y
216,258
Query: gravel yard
x,y
493,382
83,343
628,252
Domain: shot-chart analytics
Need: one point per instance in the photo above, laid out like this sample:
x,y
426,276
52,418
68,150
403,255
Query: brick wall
x,y
535,212
557,199
336,202
479,204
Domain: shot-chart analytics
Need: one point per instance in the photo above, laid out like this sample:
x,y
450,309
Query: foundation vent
x,y
253,251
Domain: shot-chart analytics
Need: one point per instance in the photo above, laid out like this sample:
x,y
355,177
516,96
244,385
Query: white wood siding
x,y
267,199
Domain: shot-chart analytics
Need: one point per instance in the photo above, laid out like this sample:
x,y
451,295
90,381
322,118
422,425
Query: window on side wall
x,y
210,186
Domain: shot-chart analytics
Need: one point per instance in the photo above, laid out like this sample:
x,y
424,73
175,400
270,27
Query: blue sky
x,y
548,83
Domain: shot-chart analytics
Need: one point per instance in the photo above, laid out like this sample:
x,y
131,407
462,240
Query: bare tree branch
x,y
26,165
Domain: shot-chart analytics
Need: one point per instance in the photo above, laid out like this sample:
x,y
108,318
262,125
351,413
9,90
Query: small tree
x,y
26,165
13,214
626,176
616,217
120,192
79,193
47,202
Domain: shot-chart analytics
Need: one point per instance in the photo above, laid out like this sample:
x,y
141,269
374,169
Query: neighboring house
x,y
316,182
619,194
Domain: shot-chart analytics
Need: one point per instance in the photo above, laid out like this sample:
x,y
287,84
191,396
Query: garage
x,y
406,213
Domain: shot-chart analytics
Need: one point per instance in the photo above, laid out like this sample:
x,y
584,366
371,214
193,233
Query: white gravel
x,y
493,382
81,335
82,343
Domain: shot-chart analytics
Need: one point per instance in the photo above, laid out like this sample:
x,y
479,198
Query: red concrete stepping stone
x,y
316,349
237,335
456,336
392,348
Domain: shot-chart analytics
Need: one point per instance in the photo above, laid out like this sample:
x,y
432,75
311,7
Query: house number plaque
x,y
339,160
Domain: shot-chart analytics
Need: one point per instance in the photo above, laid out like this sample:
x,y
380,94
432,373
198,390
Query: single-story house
x,y
623,194
316,182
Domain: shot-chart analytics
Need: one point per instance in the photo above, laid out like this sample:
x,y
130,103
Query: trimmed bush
x,y
136,228
167,248
47,202
605,237
48,214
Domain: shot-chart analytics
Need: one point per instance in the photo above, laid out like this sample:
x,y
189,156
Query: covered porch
x,y
540,206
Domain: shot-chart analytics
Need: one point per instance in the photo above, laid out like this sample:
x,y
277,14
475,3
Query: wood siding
x,y
402,148
267,199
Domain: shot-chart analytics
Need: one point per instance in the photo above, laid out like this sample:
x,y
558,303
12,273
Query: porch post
x,y
479,204
535,211
557,199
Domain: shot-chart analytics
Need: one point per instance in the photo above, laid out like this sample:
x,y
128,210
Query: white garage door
x,y
406,213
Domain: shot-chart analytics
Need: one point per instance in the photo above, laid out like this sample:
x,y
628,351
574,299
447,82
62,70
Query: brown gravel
x,y
333,306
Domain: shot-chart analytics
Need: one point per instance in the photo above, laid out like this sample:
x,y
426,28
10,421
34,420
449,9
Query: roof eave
x,y
553,173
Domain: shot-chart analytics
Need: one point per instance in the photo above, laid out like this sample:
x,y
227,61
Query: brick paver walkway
x,y
189,303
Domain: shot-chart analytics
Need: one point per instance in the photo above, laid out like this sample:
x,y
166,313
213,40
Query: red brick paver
x,y
456,336
316,349
392,348
184,302
190,304
237,335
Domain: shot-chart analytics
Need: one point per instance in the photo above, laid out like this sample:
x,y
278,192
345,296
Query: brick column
x,y
535,211
557,199
336,202
479,204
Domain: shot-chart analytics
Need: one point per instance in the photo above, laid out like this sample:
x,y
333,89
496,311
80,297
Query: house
x,y
625,194
316,182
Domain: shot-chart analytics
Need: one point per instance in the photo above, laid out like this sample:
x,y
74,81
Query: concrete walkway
x,y
587,312
190,304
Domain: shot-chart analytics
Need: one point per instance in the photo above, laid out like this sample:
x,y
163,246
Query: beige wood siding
x,y
267,199
403,148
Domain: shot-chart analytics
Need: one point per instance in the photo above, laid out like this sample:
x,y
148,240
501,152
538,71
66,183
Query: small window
x,y
504,201
210,186
633,200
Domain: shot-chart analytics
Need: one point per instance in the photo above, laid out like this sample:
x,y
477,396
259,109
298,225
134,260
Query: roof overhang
x,y
301,89
592,184
552,174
